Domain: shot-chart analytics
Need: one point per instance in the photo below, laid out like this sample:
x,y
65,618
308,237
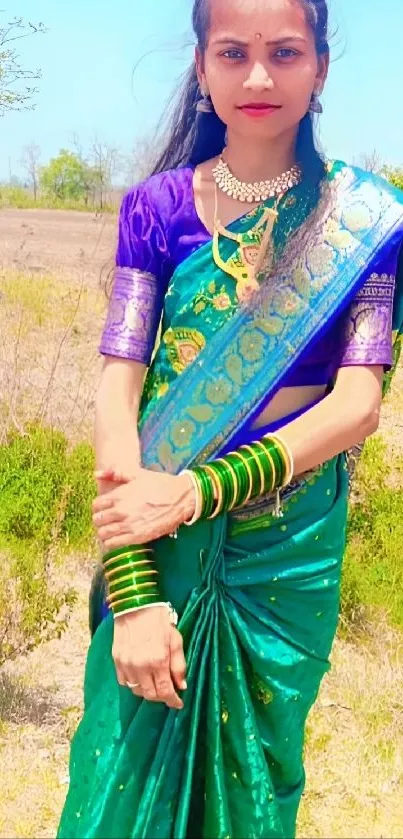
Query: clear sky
x,y
92,83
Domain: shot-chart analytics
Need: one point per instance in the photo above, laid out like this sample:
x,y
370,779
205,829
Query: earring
x,y
315,106
205,105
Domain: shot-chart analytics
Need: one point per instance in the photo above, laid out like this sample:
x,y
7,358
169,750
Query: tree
x,y
105,160
65,177
142,159
14,94
370,161
394,175
30,161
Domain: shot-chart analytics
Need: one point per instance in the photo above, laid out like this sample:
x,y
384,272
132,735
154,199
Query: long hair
x,y
194,137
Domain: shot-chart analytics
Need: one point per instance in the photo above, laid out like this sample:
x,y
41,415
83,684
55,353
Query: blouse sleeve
x,y
367,335
139,283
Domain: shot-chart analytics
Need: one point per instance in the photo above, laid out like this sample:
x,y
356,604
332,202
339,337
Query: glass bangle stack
x,y
233,480
132,579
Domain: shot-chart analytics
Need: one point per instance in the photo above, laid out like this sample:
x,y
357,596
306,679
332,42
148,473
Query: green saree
x,y
258,597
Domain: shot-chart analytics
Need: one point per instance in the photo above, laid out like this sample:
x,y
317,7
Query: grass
x,y
373,569
354,752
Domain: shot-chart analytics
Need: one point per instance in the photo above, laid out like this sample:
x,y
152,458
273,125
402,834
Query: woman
x,y
275,274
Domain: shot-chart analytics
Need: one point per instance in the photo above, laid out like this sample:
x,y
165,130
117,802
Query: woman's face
x,y
260,65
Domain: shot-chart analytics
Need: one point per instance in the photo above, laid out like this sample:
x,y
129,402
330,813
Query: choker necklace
x,y
254,192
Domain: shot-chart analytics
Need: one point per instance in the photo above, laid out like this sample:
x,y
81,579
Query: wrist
x,y
188,495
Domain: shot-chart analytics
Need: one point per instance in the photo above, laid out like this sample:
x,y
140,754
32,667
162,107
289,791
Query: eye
x,y
233,54
286,52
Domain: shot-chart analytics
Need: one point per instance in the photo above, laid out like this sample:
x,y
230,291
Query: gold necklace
x,y
254,192
251,256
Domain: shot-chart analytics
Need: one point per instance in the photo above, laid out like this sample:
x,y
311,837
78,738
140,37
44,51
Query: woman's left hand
x,y
143,509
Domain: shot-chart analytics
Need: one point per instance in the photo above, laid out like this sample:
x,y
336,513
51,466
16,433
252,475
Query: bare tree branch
x,y
14,95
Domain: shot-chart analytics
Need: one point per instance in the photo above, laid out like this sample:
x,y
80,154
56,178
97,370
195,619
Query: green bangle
x,y
133,580
134,602
216,479
259,484
128,562
227,485
130,550
207,491
268,466
280,465
245,477
232,482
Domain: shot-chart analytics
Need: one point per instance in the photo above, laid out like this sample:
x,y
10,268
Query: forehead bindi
x,y
246,20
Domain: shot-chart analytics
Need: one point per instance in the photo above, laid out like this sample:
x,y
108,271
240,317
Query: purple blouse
x,y
159,228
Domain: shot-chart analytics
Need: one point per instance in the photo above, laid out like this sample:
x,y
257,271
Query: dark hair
x,y
195,137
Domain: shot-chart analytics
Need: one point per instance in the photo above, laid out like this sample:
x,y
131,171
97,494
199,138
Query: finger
x,y
178,662
121,541
165,687
106,517
103,502
120,675
146,685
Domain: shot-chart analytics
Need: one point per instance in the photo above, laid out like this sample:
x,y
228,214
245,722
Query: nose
x,y
259,79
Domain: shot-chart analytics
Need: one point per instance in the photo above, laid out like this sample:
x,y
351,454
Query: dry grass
x,y
49,334
355,744
40,704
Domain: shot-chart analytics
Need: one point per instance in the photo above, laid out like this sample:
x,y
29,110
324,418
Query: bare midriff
x,y
287,401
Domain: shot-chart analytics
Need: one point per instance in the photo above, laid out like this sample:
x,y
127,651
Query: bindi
x,y
258,36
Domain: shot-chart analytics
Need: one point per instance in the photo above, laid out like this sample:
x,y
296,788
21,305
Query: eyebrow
x,y
227,39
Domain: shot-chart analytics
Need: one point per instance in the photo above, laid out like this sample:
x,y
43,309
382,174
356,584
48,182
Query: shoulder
x,y
162,194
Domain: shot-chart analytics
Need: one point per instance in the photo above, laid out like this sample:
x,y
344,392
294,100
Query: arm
x,y
117,405
343,419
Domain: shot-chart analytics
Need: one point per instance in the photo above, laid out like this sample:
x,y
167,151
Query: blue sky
x,y
92,83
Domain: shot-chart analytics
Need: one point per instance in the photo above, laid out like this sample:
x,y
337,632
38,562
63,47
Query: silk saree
x,y
258,596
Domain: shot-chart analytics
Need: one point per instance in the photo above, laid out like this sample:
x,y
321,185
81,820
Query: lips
x,y
259,109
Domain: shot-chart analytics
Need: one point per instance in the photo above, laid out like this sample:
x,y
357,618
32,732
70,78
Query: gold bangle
x,y
130,577
234,479
135,597
287,457
250,476
133,589
271,461
217,484
126,555
259,465
116,571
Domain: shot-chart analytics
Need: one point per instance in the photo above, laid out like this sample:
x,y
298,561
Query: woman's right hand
x,y
148,654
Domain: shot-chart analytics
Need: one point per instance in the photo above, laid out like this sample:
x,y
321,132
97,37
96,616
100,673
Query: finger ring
x,y
131,686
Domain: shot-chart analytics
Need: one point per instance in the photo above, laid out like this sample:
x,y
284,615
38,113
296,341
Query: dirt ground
x,y
57,242
355,742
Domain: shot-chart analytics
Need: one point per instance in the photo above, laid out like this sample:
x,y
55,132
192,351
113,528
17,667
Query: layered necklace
x,y
254,192
255,246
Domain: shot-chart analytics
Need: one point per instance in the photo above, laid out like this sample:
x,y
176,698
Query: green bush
x,y
22,199
46,491
373,569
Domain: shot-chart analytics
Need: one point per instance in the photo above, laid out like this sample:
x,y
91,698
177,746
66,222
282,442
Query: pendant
x,y
245,289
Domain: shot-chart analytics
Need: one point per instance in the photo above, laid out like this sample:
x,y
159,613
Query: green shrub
x,y
45,506
373,570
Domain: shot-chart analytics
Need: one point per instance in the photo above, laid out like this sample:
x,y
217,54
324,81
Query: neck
x,y
264,160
